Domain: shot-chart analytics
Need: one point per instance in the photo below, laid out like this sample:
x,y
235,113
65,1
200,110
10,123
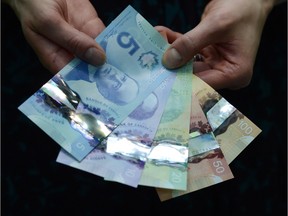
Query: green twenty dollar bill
x,y
166,165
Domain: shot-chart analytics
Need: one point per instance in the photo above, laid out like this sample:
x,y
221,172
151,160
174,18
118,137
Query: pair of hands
x,y
227,37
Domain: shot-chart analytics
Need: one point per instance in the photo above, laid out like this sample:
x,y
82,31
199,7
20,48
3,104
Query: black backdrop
x,y
32,183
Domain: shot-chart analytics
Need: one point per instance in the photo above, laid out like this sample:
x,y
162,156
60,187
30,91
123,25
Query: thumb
x,y
185,47
76,42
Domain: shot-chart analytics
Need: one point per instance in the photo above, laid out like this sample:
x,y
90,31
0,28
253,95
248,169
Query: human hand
x,y
59,30
227,37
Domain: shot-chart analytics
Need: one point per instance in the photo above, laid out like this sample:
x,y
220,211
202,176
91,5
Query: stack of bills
x,y
134,122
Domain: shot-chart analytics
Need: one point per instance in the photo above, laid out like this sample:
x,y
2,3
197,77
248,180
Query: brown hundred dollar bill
x,y
232,129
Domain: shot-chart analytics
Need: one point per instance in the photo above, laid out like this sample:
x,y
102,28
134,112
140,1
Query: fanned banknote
x,y
123,156
166,165
131,141
198,122
106,119
83,104
233,130
205,168
207,165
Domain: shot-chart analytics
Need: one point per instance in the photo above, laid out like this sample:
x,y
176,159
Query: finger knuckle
x,y
74,44
223,20
185,45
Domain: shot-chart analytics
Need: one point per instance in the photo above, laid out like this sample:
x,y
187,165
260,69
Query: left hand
x,y
227,37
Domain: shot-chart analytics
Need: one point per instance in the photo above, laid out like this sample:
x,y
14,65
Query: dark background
x,y
32,183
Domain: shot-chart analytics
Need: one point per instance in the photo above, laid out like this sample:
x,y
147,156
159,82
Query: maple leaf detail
x,y
148,60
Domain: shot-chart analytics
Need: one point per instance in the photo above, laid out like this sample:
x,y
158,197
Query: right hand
x,y
59,30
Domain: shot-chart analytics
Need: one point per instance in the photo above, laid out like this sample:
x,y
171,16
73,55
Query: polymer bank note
x,y
232,133
166,165
122,155
207,165
232,129
198,122
205,169
82,104
131,141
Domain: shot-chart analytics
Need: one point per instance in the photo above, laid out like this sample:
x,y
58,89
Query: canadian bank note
x,y
205,169
232,133
232,129
131,141
207,165
166,165
198,122
83,104
122,156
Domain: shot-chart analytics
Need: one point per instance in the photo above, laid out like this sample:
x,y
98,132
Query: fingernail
x,y
172,58
95,56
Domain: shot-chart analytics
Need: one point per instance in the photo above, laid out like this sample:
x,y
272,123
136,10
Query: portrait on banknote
x,y
113,84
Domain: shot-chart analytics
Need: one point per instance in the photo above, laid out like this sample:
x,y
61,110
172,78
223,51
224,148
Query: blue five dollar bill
x,y
82,104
